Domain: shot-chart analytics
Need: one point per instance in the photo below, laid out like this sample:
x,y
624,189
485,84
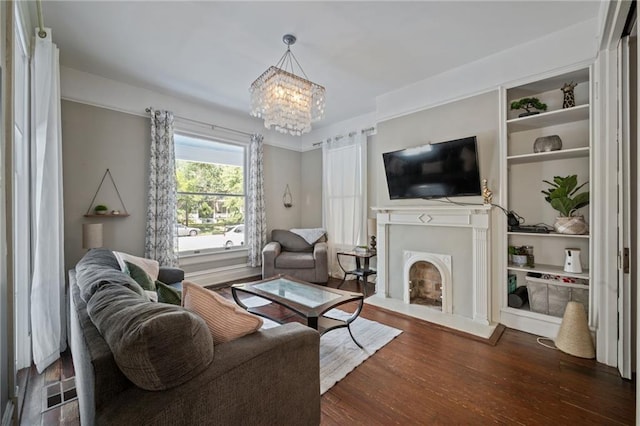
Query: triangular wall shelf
x,y
91,212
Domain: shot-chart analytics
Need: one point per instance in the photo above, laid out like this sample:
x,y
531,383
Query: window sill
x,y
197,258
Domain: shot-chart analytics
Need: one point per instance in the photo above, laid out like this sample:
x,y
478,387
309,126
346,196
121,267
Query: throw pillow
x,y
226,320
168,294
155,345
140,276
150,266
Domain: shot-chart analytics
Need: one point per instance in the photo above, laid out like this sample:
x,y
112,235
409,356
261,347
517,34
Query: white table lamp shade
x,y
371,227
91,235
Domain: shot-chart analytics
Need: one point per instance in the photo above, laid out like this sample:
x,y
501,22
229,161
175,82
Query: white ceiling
x,y
212,51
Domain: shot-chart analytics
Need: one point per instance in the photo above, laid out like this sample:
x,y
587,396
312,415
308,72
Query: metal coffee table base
x,y
312,311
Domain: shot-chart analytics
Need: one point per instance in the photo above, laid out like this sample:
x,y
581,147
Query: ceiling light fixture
x,y
287,102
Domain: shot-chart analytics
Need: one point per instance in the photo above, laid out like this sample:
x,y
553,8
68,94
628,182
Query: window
x,y
211,192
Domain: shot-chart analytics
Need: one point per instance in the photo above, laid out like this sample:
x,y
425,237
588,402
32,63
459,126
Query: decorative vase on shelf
x,y
547,143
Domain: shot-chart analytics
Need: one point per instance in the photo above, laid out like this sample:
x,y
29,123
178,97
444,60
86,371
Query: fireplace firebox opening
x,y
425,285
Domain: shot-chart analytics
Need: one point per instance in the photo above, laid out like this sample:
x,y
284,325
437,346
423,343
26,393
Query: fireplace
x,y
443,235
427,280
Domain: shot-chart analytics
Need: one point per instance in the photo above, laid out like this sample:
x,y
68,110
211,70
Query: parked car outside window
x,y
184,231
234,236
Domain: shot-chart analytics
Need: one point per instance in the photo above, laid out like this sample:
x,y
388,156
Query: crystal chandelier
x,y
287,102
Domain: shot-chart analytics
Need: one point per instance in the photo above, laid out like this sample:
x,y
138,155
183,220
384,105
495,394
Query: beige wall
x,y
311,189
281,168
476,116
95,139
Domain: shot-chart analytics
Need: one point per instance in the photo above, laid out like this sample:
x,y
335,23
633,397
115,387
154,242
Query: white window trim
x,y
216,253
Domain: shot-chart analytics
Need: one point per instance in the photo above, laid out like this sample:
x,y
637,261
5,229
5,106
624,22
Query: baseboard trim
x,y
7,417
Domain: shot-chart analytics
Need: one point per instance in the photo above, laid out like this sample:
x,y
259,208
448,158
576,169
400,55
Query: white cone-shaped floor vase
x,y
574,336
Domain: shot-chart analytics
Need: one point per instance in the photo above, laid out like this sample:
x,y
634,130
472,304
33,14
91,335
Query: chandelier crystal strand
x,y
287,103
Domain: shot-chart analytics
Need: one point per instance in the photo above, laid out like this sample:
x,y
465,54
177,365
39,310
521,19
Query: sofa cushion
x,y
98,267
293,260
290,241
156,346
226,320
140,276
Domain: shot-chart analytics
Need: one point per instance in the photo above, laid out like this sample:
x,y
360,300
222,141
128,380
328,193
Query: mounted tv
x,y
435,170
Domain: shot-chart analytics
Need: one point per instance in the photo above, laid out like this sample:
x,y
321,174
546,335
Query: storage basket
x,y
550,297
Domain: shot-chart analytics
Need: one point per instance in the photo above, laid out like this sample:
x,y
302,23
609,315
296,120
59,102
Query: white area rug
x,y
339,355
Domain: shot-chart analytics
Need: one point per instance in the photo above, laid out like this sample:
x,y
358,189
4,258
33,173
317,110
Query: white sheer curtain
x,y
48,306
161,239
344,170
256,217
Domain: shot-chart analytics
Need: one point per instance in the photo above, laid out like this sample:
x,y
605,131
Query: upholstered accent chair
x,y
290,254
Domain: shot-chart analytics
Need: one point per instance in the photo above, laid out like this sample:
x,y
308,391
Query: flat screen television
x,y
435,170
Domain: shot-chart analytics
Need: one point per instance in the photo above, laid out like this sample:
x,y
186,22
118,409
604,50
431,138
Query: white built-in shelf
x,y
551,118
550,234
536,157
549,269
535,88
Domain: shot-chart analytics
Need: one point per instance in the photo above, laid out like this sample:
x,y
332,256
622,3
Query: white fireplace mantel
x,y
476,217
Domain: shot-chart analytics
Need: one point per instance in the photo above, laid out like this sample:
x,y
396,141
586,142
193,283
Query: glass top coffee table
x,y
307,300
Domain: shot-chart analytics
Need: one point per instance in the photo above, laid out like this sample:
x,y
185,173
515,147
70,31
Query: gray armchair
x,y
292,255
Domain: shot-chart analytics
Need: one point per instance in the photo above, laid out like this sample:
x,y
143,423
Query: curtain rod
x,y
212,126
368,129
41,33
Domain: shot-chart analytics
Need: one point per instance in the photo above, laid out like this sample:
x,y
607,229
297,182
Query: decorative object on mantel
x,y
569,100
528,104
287,199
372,225
563,197
102,210
91,235
547,143
287,102
487,194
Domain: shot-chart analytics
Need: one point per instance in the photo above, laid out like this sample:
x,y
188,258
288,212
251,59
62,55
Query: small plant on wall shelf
x,y
528,104
100,209
564,197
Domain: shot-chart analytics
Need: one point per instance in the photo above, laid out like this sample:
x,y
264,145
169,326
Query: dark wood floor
x,y
429,375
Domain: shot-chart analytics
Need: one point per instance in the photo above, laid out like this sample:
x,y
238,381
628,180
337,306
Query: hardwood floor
x,y
429,375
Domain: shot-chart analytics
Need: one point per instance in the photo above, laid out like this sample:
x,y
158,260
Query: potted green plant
x,y
564,197
528,104
100,209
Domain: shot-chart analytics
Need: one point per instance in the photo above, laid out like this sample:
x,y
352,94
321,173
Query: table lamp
x,y
371,230
91,235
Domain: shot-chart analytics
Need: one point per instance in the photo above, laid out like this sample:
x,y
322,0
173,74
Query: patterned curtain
x,y
256,217
161,240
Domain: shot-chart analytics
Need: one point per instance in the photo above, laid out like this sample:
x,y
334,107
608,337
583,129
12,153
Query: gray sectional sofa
x,y
144,363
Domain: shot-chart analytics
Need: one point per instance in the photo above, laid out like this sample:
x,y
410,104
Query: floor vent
x,y
59,393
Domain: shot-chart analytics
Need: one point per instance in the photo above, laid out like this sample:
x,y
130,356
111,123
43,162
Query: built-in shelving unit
x,y
525,171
